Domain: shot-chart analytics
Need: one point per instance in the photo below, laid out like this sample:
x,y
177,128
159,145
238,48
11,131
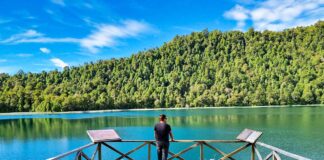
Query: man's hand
x,y
171,135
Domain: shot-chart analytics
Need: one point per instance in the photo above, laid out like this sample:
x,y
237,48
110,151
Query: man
x,y
162,130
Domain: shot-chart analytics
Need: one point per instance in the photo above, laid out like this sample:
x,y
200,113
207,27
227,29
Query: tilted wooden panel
x,y
103,135
249,135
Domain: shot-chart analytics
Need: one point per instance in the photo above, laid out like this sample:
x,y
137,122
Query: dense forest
x,y
201,69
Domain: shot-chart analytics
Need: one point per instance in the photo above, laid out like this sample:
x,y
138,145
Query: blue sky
x,y
51,34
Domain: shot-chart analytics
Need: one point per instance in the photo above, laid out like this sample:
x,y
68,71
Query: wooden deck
x,y
105,138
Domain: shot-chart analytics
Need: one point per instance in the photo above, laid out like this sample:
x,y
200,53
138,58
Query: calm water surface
x,y
299,130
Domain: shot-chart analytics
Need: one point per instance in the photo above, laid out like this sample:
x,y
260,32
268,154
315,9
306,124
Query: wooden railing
x,y
274,154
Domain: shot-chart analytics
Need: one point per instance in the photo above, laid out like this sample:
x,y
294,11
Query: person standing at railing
x,y
162,130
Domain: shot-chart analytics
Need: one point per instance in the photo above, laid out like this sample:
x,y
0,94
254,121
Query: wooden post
x,y
99,151
149,151
79,157
201,151
253,152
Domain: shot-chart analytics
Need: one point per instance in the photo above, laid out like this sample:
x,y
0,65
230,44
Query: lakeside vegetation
x,y
201,69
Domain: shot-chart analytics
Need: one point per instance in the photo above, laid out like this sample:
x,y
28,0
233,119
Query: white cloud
x,y
278,14
48,40
265,14
32,36
107,35
24,55
45,50
238,13
49,11
59,2
31,33
25,35
59,63
3,60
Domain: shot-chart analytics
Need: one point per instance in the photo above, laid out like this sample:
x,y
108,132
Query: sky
x,y
44,35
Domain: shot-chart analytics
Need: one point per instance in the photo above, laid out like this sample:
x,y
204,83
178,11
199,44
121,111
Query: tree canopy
x,y
201,69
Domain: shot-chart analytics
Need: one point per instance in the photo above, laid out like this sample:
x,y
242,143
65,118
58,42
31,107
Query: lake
x,y
299,130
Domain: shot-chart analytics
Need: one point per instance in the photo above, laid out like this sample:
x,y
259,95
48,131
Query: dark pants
x,y
162,149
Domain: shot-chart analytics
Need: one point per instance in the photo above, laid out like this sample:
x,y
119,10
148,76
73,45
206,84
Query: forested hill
x,y
201,69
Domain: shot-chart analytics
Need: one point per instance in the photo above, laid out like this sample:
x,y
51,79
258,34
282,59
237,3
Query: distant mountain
x,y
201,69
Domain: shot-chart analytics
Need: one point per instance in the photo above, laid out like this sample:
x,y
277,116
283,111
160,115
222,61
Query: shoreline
x,y
152,109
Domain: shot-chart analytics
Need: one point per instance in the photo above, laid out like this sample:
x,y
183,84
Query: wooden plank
x,y
283,152
70,152
254,136
235,151
184,141
252,152
244,134
249,135
149,151
133,150
184,151
103,135
99,152
201,151
217,150
114,149
85,156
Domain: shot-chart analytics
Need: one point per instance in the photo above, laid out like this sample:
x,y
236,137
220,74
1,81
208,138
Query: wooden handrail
x,y
70,152
283,152
274,150
186,141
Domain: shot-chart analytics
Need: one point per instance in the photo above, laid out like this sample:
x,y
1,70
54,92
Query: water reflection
x,y
264,119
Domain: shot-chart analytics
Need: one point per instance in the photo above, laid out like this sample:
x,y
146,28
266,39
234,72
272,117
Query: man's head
x,y
163,117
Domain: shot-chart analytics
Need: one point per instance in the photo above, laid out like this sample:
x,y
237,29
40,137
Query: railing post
x,y
253,152
201,151
149,151
79,155
99,151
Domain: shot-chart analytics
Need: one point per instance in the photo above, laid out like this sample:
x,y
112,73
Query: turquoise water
x,y
298,130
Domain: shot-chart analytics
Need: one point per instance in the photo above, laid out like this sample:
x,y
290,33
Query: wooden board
x,y
249,135
103,135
